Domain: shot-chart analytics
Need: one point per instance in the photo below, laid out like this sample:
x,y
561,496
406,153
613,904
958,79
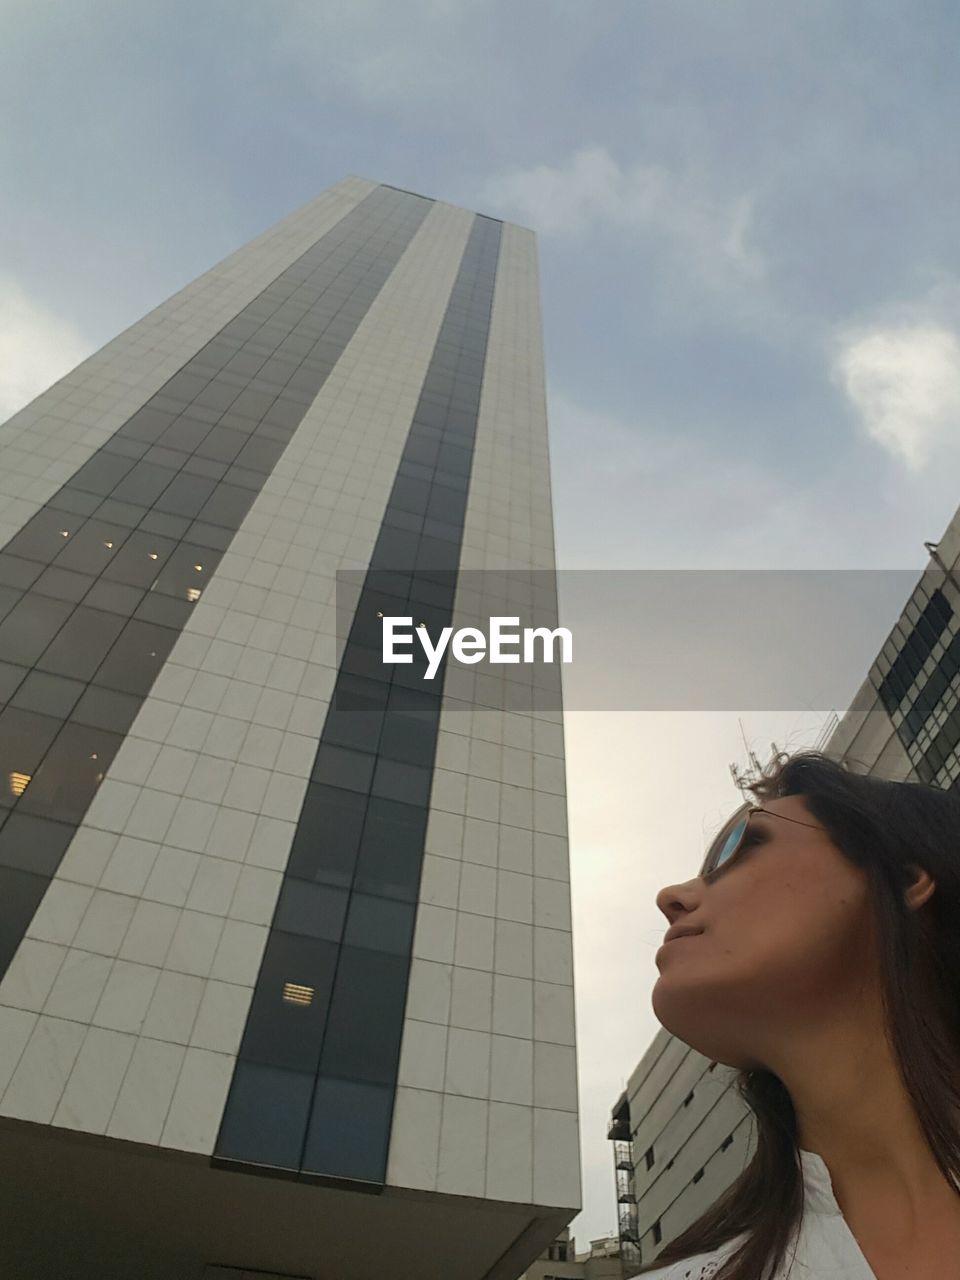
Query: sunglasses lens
x,y
725,844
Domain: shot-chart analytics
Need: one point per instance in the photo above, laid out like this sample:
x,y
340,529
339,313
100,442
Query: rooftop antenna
x,y
743,777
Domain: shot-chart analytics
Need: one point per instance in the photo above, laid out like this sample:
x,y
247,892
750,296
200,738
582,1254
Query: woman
x,y
818,952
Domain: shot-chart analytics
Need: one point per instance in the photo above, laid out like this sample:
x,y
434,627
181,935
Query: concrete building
x,y
603,1260
284,932
680,1132
561,1261
557,1261
689,1137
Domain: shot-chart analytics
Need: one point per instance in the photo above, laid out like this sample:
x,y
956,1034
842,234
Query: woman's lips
x,y
677,937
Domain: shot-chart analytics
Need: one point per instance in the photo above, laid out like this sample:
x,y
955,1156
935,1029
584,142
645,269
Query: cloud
x,y
591,191
905,384
36,348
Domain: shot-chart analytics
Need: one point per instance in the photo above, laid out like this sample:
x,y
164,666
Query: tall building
x,y
286,951
680,1131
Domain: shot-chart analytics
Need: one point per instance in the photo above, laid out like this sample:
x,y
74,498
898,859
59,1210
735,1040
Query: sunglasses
x,y
729,840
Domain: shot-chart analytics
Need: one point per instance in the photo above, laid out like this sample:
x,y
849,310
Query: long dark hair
x,y
883,827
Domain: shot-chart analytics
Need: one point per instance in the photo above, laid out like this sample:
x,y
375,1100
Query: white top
x,y
826,1247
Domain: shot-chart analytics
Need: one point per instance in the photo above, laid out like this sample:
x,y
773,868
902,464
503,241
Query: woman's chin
x,y
689,1021
665,1007
682,1014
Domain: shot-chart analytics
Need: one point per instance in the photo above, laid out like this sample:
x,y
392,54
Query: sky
x,y
750,278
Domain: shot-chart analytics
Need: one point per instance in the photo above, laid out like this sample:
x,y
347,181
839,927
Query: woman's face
x,y
785,942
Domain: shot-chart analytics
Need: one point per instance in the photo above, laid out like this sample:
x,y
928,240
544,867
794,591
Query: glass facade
x,y
97,586
343,927
268,905
917,678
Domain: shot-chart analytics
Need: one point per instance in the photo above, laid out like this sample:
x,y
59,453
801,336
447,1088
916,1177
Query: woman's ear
x,y
921,889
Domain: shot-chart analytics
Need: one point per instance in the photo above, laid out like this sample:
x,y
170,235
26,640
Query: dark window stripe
x,y
322,1039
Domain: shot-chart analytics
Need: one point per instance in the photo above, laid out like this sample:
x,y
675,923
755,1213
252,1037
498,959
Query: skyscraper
x,y
286,932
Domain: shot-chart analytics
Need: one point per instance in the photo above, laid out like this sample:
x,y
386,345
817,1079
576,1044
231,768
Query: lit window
x,y
294,993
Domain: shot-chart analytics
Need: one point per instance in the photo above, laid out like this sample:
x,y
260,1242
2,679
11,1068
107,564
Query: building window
x,y
649,1157
657,1235
726,1142
697,1176
688,1099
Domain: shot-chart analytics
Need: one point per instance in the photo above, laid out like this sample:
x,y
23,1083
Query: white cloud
x,y
905,384
592,191
36,348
